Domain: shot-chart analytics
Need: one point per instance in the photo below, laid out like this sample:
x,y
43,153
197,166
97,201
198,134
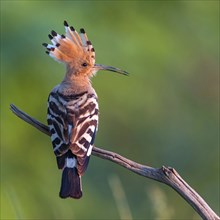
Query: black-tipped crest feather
x,y
71,47
65,23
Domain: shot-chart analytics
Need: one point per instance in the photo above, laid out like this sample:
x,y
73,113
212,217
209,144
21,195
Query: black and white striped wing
x,y
73,124
83,135
58,125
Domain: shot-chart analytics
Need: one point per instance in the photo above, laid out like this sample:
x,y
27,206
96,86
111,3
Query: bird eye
x,y
84,64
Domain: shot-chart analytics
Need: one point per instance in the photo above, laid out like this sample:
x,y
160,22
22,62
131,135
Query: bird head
x,y
76,51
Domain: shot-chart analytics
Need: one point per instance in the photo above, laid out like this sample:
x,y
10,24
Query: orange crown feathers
x,y
73,48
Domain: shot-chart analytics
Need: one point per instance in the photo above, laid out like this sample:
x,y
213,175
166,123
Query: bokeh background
x,y
164,113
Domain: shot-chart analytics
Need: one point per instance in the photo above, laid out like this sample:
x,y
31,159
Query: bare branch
x,y
164,174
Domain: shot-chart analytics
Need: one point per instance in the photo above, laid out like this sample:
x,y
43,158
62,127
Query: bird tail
x,y
71,181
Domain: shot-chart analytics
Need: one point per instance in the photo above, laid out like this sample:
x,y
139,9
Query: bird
x,y
73,110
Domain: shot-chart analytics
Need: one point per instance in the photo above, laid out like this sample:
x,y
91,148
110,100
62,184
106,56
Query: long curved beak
x,y
110,68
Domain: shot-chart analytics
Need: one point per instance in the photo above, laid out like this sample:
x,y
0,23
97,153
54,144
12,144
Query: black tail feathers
x,y
71,184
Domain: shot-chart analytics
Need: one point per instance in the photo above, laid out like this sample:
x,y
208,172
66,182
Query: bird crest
x,y
76,51
73,49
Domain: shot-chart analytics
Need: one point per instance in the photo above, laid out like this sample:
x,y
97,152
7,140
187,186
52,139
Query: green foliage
x,y
164,113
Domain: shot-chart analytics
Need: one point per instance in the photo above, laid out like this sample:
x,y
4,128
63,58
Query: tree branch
x,y
164,174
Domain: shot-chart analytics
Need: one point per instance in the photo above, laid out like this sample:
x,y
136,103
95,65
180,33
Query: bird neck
x,y
75,84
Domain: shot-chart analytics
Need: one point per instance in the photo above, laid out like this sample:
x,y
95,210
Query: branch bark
x,y
166,175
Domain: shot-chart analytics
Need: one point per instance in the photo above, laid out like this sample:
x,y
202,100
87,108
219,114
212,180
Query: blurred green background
x,y
164,113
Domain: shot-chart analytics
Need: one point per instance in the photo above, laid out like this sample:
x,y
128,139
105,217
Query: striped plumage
x,y
73,121
73,107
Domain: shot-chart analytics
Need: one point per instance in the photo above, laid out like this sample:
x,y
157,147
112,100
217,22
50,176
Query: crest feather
x,y
71,47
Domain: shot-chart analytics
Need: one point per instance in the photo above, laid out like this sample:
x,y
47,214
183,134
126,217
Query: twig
x,y
164,174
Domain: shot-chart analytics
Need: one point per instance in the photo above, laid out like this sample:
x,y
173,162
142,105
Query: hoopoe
x,y
73,107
